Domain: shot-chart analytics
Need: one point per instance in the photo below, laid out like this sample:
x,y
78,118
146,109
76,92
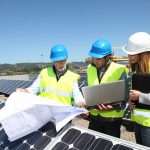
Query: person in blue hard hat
x,y
58,82
105,118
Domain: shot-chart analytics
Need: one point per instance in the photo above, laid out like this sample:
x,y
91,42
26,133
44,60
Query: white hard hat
x,y
137,43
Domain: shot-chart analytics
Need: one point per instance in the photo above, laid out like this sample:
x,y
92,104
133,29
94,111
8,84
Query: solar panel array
x,y
9,86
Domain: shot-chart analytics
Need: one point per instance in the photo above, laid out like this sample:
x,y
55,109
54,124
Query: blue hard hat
x,y
58,53
100,49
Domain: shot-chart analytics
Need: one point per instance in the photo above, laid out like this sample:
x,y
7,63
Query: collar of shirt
x,y
104,67
102,70
59,74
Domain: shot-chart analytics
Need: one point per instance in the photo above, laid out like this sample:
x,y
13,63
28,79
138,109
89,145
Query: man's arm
x,y
77,96
34,88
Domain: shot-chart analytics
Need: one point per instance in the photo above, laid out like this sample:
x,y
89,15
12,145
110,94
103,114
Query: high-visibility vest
x,y
60,90
112,74
141,116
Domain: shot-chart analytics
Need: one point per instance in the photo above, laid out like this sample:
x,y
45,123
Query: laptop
x,y
106,93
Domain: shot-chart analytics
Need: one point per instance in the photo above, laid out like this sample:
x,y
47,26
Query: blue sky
x,y
29,28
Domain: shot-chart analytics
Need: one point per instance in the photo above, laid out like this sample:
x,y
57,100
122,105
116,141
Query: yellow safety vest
x,y
60,90
141,116
112,74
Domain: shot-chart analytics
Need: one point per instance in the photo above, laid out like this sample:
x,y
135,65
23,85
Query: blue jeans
x,y
142,134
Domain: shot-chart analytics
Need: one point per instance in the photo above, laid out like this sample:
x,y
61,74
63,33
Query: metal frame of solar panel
x,y
77,138
9,86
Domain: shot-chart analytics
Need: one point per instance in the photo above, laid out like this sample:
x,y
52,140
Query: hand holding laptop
x,y
105,107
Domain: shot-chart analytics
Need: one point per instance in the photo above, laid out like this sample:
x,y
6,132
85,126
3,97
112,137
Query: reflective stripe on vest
x,y
61,93
141,117
143,113
60,90
112,74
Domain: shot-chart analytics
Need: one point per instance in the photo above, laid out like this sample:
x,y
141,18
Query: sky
x,y
29,28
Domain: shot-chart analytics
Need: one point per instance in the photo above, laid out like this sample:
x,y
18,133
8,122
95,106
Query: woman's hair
x,y
144,64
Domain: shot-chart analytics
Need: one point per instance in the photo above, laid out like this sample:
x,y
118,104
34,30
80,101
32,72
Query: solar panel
x,y
36,141
2,104
77,138
9,86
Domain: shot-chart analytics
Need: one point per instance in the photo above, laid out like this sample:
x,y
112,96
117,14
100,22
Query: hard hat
x,y
137,43
58,53
100,49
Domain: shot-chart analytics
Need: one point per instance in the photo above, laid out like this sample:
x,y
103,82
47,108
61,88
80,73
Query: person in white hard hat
x,y
138,50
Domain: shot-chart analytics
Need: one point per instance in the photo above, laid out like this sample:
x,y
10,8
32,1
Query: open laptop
x,y
106,93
